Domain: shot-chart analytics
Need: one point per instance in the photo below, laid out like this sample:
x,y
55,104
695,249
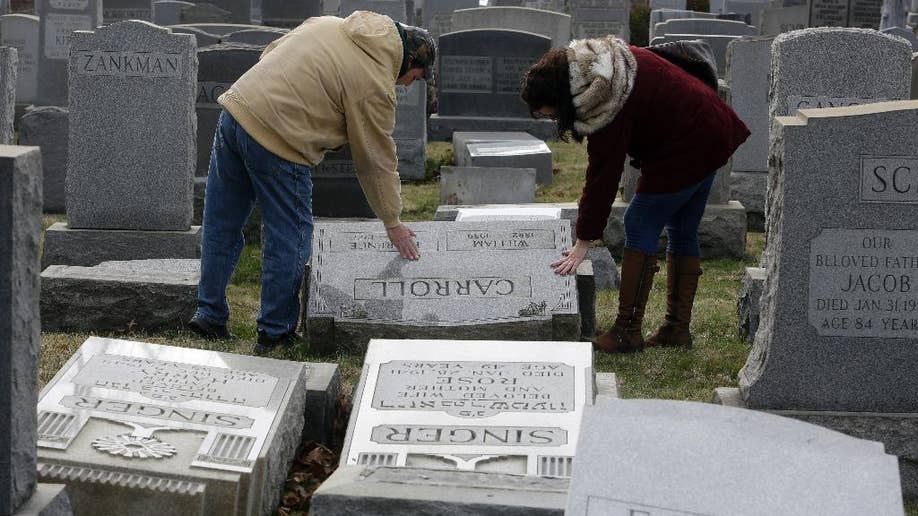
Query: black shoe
x,y
209,331
267,344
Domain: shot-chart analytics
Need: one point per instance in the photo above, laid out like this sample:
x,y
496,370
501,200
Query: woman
x,y
630,101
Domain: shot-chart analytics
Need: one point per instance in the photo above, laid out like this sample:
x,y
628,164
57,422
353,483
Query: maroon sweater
x,y
673,123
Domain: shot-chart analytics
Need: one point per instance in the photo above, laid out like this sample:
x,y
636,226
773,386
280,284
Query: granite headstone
x,y
778,20
9,64
475,279
487,185
114,11
289,13
904,32
202,38
168,12
48,127
410,131
864,14
662,15
20,31
556,26
509,153
205,13
437,14
598,18
59,19
394,9
704,26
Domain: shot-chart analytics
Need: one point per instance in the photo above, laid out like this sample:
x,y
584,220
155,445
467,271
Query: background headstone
x,y
168,12
120,10
410,132
21,32
667,4
864,14
202,38
48,128
289,13
597,18
487,185
556,26
59,19
205,13
260,37
131,164
904,32
778,20
704,26
438,14
9,64
394,9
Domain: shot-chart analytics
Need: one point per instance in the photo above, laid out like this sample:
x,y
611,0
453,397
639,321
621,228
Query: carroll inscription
x,y
475,389
441,288
864,283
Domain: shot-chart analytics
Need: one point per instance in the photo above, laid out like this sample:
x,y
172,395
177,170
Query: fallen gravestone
x,y
59,19
487,185
20,31
483,427
169,12
9,64
20,336
556,26
509,153
118,295
47,127
695,458
748,73
136,428
129,174
475,279
704,26
748,305
717,42
837,317
479,83
661,15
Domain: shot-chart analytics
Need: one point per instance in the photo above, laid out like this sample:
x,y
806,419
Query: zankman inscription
x,y
128,64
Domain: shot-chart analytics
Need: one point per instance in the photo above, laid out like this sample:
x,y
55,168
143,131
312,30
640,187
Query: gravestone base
x,y
748,304
47,500
722,232
323,388
252,229
897,431
586,300
135,295
88,247
441,128
749,189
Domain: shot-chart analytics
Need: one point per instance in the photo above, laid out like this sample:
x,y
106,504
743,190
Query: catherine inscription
x,y
864,283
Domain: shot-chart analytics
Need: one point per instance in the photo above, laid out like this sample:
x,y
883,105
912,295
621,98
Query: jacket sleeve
x,y
370,123
607,149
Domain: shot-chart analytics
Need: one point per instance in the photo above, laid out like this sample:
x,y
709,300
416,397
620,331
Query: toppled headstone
x,y
131,295
487,185
20,31
47,127
59,20
662,15
705,26
202,38
141,428
903,32
477,279
697,458
20,335
533,154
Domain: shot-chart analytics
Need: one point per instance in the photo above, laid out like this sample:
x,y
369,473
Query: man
x,y
328,82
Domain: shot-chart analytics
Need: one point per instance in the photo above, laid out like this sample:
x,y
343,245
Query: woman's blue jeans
x,y
679,212
241,173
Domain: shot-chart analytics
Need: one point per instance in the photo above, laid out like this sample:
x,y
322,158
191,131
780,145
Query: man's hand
x,y
572,258
403,240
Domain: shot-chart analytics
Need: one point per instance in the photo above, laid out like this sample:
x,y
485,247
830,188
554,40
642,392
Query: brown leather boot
x,y
625,336
682,273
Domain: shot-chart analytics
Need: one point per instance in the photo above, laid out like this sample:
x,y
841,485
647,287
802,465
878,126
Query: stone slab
x,y
48,128
21,32
20,339
118,296
698,458
907,33
480,185
509,153
747,306
662,15
485,406
717,42
47,500
134,164
135,428
722,232
88,247
896,431
478,279
442,128
58,21
748,72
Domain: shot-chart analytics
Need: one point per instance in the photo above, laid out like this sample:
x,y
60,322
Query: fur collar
x,y
602,75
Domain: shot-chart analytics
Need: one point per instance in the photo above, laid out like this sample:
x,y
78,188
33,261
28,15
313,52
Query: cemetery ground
x,y
676,374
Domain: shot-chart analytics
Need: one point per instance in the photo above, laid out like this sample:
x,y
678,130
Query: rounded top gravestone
x,y
553,25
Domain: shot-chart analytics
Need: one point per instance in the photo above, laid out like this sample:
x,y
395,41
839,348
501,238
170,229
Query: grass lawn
x,y
715,360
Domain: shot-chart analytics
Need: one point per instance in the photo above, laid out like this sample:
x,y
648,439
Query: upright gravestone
x,y
498,284
667,4
20,339
131,163
438,14
778,20
114,11
241,11
395,9
474,427
863,14
135,428
48,128
20,31
696,458
556,26
479,82
410,132
168,12
750,10
289,13
904,32
597,18
9,63
205,13
662,15
748,73
704,26
59,19
837,326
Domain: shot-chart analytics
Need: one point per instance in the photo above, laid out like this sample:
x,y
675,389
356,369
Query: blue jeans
x,y
680,213
242,172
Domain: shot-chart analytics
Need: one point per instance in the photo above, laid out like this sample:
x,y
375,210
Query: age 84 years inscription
x,y
864,283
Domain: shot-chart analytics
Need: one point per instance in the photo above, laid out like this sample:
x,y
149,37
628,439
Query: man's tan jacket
x,y
327,83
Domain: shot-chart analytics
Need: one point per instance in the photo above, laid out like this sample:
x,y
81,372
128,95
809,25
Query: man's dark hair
x,y
548,84
420,49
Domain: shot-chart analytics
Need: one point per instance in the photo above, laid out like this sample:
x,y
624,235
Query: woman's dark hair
x,y
548,83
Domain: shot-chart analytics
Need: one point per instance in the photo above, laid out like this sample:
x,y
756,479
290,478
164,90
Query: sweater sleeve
x,y
370,123
607,149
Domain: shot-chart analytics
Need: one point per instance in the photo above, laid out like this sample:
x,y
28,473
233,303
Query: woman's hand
x,y
403,240
572,258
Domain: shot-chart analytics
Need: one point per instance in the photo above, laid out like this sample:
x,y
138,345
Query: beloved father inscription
x,y
475,389
864,283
